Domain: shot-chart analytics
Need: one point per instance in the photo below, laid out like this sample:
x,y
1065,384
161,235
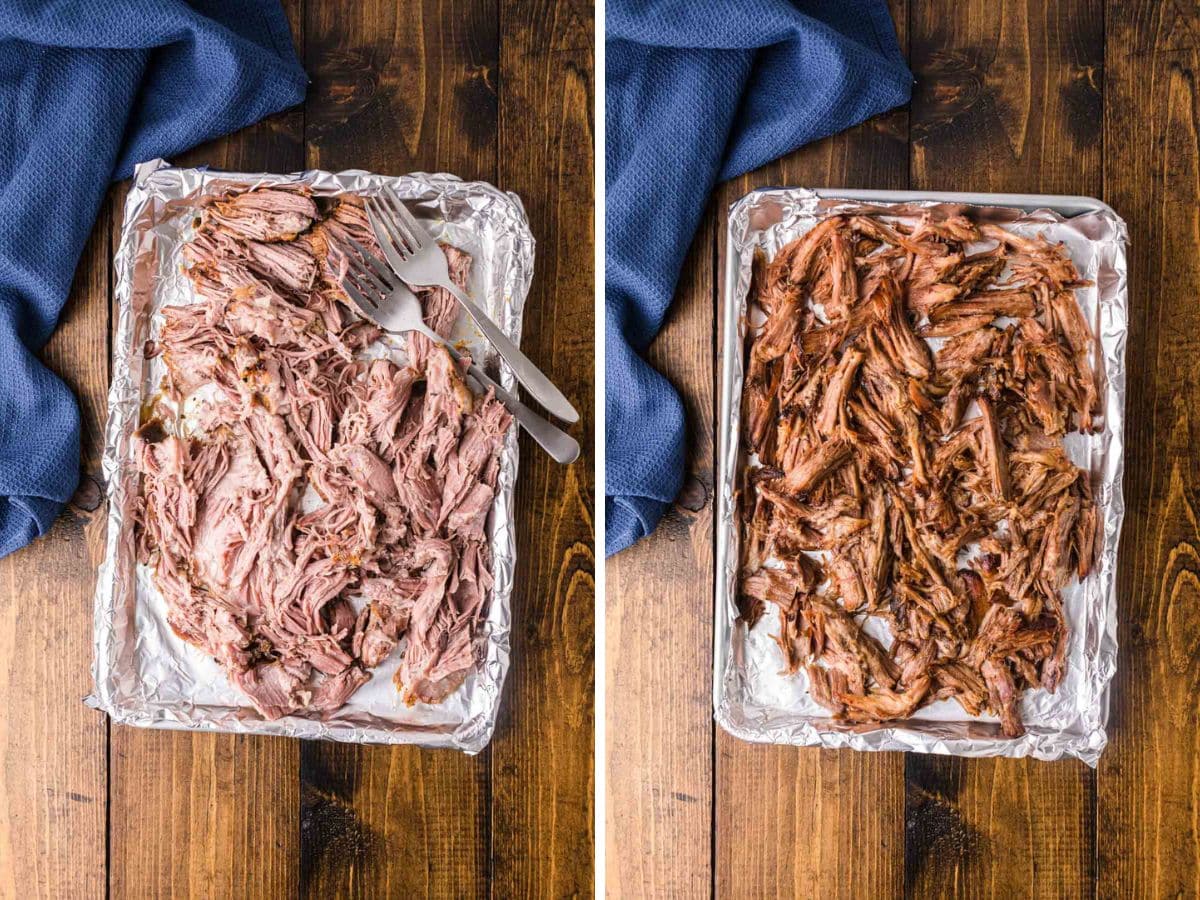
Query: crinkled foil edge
x,y
794,210
117,690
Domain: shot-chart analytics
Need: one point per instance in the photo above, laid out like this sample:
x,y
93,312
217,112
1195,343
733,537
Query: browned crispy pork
x,y
925,487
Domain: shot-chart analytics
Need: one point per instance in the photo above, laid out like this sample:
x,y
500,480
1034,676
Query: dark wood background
x,y
1073,97
499,90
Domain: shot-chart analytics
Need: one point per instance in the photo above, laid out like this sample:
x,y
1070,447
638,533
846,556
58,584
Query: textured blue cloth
x,y
88,89
699,91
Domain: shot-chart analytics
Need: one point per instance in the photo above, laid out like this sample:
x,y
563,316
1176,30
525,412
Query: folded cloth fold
x,y
88,89
699,91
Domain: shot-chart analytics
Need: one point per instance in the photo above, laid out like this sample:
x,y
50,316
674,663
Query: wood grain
x,y
206,814
1010,100
542,778
802,821
398,89
659,639
203,815
1149,838
402,87
383,822
53,793
1008,96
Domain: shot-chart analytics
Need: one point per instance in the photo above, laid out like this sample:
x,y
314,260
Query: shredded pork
x,y
927,488
321,505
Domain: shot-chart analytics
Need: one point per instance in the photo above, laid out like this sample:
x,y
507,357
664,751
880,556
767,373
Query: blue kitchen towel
x,y
88,89
699,91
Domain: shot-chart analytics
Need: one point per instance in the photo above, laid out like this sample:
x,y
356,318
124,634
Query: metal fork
x,y
419,262
383,299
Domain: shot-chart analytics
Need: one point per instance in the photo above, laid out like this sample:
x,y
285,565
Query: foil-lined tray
x,y
144,673
753,698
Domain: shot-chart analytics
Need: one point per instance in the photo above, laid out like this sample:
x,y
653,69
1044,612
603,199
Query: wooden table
x,y
500,91
1082,98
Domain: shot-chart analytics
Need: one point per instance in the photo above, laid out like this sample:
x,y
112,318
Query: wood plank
x,y
998,828
402,89
1009,100
384,822
53,789
542,777
205,814
659,639
807,822
397,90
1007,96
1149,839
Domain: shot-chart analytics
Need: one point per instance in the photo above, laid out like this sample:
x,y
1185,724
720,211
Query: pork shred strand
x,y
928,489
298,602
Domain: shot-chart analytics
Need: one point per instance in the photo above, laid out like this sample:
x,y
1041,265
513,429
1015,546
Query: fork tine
x,y
383,221
398,215
364,305
379,274
385,227
361,277
369,285
420,237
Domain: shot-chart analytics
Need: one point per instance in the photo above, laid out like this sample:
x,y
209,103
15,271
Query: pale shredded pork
x,y
926,488
324,505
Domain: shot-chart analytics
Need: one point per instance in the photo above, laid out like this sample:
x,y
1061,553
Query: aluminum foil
x,y
753,698
144,673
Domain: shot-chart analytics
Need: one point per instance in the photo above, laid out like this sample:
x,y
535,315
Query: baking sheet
x,y
753,699
144,673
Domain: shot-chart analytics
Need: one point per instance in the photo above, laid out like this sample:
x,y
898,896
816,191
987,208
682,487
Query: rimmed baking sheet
x,y
752,698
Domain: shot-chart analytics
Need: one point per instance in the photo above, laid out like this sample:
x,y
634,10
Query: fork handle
x,y
540,387
561,446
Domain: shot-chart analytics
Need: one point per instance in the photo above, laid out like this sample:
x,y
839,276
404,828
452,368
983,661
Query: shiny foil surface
x,y
144,673
753,698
